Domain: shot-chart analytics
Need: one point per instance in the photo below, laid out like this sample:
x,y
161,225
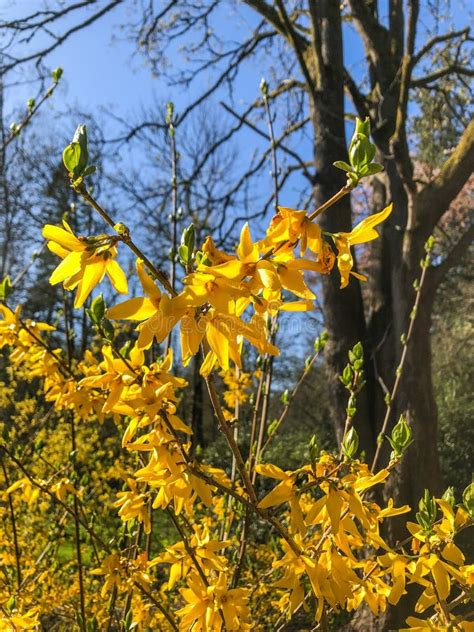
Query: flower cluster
x,y
190,544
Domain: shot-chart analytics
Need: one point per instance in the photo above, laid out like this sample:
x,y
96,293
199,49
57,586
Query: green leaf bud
x,y
468,499
350,443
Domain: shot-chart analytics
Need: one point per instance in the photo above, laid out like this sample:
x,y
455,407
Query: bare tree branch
x,y
452,69
434,41
39,55
454,256
432,201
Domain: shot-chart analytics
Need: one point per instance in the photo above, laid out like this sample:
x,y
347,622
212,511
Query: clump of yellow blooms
x,y
189,553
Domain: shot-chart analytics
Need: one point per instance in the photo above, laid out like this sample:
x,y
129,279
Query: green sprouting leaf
x,y
89,171
97,310
350,443
340,164
468,499
76,154
363,126
346,377
361,153
358,350
56,74
107,329
372,169
426,517
183,253
401,436
125,349
6,289
313,449
321,341
272,427
71,157
449,496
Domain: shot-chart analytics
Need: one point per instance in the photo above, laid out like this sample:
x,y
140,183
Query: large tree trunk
x,y
390,299
343,310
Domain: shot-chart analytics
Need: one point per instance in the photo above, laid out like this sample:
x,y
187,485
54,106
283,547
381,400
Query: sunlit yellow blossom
x,y
362,233
206,605
158,311
17,621
291,226
85,261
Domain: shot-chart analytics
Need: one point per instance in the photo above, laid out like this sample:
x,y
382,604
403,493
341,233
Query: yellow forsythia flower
x,y
85,261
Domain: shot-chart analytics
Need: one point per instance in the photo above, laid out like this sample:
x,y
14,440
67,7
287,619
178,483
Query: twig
x,y
127,240
174,204
291,398
77,529
399,370
14,528
27,118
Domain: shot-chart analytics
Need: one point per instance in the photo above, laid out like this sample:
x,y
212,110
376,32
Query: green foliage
x,y
400,438
350,443
361,155
186,248
426,517
76,157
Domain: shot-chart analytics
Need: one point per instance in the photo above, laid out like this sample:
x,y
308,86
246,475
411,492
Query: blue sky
x,y
103,70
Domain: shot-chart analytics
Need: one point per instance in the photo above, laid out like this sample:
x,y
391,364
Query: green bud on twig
x,y
468,499
321,341
313,449
401,436
272,427
76,157
426,517
361,155
97,310
350,443
56,74
6,289
449,497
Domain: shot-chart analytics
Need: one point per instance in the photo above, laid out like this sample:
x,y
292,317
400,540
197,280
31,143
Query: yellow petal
x,y
316,509
370,481
117,276
63,237
67,268
279,494
232,269
267,275
138,308
272,471
93,274
442,581
365,230
334,505
57,249
219,344
453,554
293,281
192,333
297,306
209,363
149,286
313,238
397,590
247,251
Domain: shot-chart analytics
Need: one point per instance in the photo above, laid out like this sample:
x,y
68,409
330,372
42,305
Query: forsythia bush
x,y
233,545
